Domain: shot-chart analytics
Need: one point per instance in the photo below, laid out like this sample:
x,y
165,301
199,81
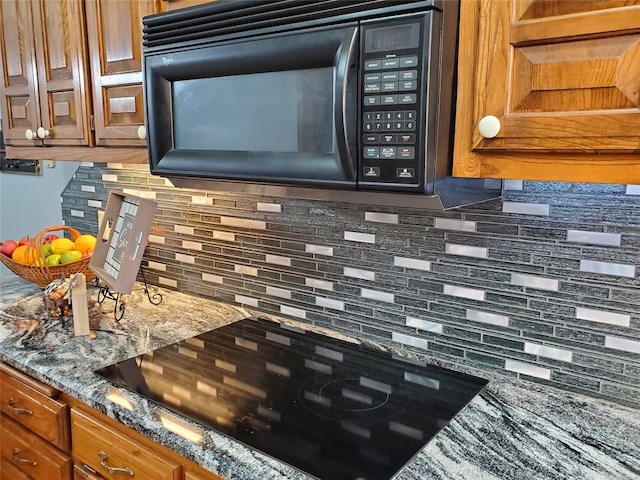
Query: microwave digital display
x,y
392,38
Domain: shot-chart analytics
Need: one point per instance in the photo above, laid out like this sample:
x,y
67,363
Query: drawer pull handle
x,y
22,461
113,470
22,411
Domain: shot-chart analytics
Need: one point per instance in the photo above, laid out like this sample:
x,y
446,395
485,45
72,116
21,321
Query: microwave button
x,y
411,126
371,171
398,115
392,63
407,153
406,138
371,87
390,76
388,116
409,75
368,126
371,152
377,116
399,126
408,62
371,139
406,172
410,115
368,116
389,99
372,100
372,64
388,138
377,126
388,152
390,87
372,77
409,85
407,98
388,126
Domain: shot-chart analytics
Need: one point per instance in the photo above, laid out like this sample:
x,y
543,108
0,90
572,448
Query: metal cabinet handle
x,y
23,461
113,470
22,411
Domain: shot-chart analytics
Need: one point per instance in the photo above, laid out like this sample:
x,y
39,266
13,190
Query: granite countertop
x,y
513,430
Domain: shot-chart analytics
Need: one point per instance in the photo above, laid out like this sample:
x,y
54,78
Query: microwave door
x,y
277,109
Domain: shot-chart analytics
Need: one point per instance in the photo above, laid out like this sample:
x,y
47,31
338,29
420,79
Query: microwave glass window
x,y
285,111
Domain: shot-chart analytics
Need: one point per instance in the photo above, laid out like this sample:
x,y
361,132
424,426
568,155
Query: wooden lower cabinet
x,y
48,435
32,455
8,471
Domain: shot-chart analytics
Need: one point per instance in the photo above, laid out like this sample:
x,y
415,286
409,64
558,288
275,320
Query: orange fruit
x,y
20,255
85,243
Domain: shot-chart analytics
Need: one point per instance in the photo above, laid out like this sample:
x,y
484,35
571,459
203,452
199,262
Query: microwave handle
x,y
344,133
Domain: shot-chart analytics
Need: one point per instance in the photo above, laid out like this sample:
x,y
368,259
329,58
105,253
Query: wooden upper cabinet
x,y
44,78
114,31
563,80
169,5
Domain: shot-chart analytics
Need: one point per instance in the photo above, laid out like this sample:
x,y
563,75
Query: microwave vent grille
x,y
232,19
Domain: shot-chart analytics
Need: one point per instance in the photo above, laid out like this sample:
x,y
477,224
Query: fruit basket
x,y
37,271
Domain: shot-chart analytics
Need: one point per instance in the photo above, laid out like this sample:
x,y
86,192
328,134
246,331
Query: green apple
x,y
53,259
70,256
46,250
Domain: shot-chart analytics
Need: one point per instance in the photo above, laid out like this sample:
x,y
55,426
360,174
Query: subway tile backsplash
x,y
542,284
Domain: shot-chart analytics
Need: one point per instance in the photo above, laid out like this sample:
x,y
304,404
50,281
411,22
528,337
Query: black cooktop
x,y
333,409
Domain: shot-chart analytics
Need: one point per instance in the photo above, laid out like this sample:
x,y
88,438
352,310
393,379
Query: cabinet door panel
x,y
18,89
115,43
562,78
62,78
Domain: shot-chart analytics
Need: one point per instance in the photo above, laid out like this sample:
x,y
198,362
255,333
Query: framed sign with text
x,y
122,238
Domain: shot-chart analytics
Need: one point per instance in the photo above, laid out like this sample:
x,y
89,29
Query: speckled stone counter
x,y
512,430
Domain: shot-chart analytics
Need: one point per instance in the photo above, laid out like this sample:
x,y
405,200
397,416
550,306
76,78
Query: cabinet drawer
x,y
30,454
9,472
42,415
197,476
104,449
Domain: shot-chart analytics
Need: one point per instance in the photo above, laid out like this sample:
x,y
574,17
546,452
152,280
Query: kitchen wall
x,y
541,285
30,203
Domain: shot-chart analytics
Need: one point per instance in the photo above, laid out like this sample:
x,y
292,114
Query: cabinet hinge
x,y
92,123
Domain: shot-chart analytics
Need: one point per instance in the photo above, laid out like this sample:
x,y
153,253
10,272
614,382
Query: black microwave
x,y
342,95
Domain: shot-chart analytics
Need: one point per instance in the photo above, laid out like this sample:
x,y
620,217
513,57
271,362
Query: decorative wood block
x,y
122,238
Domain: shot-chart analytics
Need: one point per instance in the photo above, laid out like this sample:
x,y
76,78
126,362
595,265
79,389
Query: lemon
x,y
61,245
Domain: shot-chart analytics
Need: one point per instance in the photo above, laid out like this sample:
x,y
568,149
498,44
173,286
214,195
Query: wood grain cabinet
x,y
34,429
114,33
561,78
43,79
71,76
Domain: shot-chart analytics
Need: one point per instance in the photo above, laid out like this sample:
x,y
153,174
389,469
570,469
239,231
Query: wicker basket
x,y
43,274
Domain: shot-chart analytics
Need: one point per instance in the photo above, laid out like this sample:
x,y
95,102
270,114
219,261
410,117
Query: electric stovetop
x,y
333,409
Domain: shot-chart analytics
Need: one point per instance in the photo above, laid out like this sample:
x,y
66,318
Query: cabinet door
x,y
561,77
18,80
62,74
114,32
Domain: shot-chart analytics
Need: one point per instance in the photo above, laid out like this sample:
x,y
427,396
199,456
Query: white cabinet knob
x,y
142,132
30,134
489,126
42,133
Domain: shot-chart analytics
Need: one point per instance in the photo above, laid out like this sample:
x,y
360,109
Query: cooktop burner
x,y
333,409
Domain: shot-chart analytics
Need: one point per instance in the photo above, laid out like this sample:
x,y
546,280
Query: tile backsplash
x,y
542,284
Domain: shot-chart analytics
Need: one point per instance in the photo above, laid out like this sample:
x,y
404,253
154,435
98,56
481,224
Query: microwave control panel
x,y
391,78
